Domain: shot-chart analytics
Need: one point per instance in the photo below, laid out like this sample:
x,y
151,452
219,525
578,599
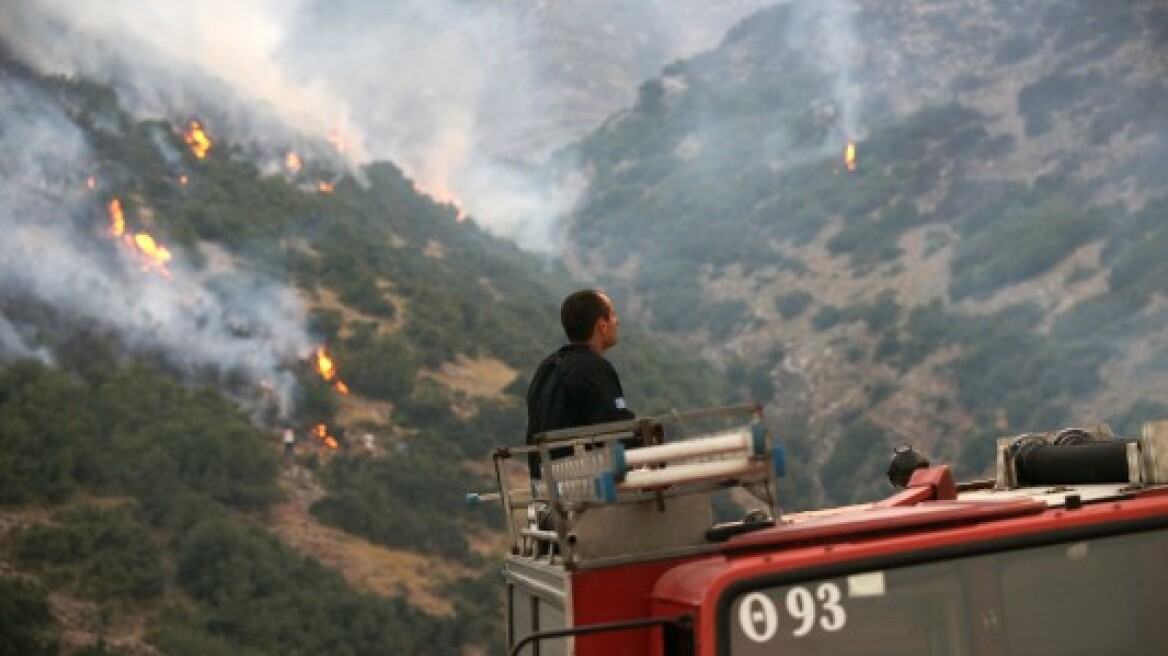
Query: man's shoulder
x,y
576,356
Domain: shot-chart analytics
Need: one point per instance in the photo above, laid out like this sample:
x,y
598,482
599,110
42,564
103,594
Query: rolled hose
x,y
1102,461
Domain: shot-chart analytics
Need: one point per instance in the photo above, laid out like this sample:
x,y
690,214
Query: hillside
x,y
988,266
178,286
169,299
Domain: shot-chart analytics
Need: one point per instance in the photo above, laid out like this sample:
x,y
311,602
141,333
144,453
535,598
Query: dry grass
x,y
357,410
482,377
324,298
366,566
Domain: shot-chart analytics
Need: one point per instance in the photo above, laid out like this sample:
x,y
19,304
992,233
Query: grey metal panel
x,y
549,582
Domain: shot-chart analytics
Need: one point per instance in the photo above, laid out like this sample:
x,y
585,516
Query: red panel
x,y
612,594
876,520
698,585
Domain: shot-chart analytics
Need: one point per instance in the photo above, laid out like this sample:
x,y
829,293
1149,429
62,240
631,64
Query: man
x,y
576,386
289,444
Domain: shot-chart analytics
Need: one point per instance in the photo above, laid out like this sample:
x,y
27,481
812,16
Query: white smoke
x,y
56,252
839,18
828,27
13,344
466,96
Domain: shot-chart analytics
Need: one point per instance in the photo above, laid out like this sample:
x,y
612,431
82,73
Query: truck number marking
x,y
759,619
834,617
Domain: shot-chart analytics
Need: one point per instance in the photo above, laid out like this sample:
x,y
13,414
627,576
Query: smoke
x,y
829,27
468,97
56,253
839,18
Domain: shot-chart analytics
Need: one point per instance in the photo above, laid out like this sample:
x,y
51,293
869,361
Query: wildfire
x,y
328,371
850,155
153,255
443,196
117,218
292,162
325,187
156,254
198,140
339,141
320,432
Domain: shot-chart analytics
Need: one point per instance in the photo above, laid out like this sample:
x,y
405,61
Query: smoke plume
x,y
470,98
57,253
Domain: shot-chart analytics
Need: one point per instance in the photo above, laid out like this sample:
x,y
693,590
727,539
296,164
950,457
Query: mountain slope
x,y
986,268
165,296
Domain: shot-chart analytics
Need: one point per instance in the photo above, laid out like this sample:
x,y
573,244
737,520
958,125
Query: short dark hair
x,y
580,311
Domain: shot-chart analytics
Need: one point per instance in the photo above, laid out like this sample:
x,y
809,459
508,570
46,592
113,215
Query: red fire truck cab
x,y
614,550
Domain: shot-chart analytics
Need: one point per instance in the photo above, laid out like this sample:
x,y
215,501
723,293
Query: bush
x,y
792,304
259,597
1028,240
1130,422
27,627
101,554
855,463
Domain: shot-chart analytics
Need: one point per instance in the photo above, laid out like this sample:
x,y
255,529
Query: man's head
x,y
589,318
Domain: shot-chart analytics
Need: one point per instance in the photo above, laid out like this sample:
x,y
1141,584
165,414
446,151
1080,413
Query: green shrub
x,y
1130,422
855,463
101,554
792,304
27,627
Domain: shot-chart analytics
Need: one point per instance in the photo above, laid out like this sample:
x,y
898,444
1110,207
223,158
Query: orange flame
x,y
325,187
151,249
324,364
328,371
339,141
292,162
320,432
155,255
850,155
117,218
198,140
443,196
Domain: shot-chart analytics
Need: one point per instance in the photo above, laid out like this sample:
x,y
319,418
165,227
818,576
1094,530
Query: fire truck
x,y
616,549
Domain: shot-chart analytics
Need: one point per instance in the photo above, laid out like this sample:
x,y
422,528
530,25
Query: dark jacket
x,y
575,386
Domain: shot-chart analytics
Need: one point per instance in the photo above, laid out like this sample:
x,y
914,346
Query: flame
x,y
292,162
324,364
320,432
443,196
325,187
152,249
328,371
117,218
155,255
850,155
91,182
183,180
198,140
339,141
